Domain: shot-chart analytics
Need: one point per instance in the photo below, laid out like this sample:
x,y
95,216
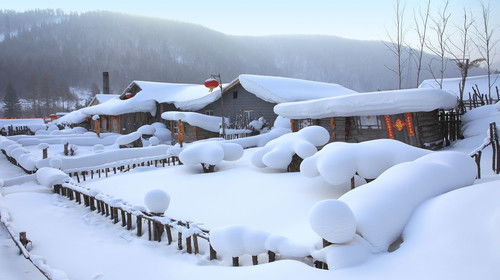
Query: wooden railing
x,y
492,140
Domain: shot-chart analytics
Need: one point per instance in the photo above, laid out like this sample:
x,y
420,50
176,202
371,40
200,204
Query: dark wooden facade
x,y
420,129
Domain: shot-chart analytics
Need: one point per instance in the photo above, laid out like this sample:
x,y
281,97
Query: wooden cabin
x,y
413,116
250,97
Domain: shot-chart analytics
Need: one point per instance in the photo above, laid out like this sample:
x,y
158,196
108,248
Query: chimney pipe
x,y
105,82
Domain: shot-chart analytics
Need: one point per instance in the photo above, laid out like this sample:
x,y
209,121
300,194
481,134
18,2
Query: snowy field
x,y
450,229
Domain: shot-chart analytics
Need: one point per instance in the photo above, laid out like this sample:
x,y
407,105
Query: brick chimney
x,y
105,82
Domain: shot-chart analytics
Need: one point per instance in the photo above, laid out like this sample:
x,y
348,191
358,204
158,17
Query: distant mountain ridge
x,y
45,52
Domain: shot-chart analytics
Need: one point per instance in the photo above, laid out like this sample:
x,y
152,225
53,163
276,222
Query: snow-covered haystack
x,y
48,177
157,201
338,162
210,153
236,240
333,220
383,207
279,153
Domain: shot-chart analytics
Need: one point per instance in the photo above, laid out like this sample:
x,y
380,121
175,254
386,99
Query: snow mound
x,y
228,241
278,153
157,201
383,207
154,141
286,247
48,177
147,129
338,162
162,133
128,138
333,220
476,121
210,152
281,127
338,256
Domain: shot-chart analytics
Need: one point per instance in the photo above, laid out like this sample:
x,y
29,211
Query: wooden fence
x,y
495,155
16,130
477,99
187,235
450,125
91,173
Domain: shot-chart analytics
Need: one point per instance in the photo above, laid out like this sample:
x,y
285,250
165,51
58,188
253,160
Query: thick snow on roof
x,y
178,94
451,85
278,90
101,98
369,104
210,123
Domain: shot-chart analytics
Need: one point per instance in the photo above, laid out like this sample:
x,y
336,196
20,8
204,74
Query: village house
x,y
413,116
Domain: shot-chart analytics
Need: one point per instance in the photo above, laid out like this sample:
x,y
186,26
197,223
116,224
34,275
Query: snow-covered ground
x,y
451,236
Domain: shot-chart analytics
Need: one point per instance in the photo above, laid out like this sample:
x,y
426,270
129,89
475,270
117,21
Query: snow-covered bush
x,y
98,148
333,220
157,201
48,177
278,153
338,162
383,207
210,153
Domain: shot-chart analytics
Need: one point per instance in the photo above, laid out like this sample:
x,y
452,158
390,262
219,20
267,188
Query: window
x,y
209,112
235,94
371,122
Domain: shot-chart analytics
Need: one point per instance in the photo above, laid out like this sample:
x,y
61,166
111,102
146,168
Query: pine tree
x,y
12,104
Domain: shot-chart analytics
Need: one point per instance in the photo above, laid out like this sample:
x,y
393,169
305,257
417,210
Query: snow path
x,y
13,265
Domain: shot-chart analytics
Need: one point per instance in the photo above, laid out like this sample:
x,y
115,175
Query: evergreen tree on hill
x,y
12,107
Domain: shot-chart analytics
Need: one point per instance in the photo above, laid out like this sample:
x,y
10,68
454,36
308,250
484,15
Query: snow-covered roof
x,y
280,89
101,98
192,97
210,123
451,85
369,104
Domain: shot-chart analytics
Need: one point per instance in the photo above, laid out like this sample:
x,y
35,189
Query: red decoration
x,y
399,124
409,124
388,125
211,84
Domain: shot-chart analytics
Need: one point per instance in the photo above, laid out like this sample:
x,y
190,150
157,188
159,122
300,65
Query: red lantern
x,y
211,84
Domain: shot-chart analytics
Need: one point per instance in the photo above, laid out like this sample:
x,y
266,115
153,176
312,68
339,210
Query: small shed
x,y
413,116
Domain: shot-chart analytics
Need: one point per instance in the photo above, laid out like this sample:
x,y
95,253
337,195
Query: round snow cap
x,y
157,201
333,220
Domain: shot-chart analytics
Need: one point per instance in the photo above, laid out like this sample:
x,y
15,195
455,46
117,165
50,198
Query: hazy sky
x,y
357,19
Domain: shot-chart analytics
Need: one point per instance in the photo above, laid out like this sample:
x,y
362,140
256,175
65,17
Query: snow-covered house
x,y
250,97
409,115
473,84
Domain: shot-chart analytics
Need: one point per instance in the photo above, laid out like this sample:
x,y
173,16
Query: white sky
x,y
356,19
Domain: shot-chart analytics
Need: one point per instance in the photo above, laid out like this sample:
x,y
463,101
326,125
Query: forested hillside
x,y
50,55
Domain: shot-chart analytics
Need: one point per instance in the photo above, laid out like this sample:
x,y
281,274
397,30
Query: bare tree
x,y
441,46
460,50
486,44
396,43
421,22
